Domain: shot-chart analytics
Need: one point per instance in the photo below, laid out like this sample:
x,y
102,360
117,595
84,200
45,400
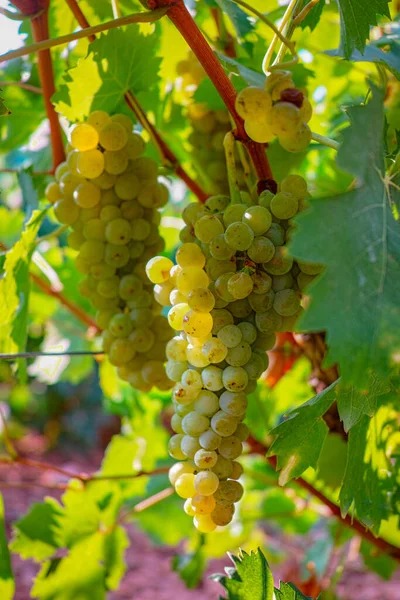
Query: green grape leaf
x,y
388,59
378,561
353,403
119,61
115,545
368,477
288,591
7,584
80,574
233,66
26,112
356,18
30,196
35,535
314,16
190,567
356,237
238,17
249,579
3,108
332,461
15,287
301,436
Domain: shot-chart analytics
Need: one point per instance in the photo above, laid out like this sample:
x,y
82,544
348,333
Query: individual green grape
x,y
280,263
237,469
222,515
126,186
120,325
205,459
262,283
239,236
197,324
221,287
268,321
134,146
143,339
190,445
295,185
233,214
75,240
230,447
209,440
141,317
284,205
223,467
193,212
92,251
239,355
285,118
208,227
310,268
176,423
219,249
84,137
282,282
191,278
90,164
97,119
206,483
121,351
223,424
175,369
192,379
153,372
230,335
249,332
258,218
253,103
113,136
254,366
240,308
145,168
228,492
66,212
235,379
242,432
116,256
194,424
115,162
260,132
233,403
118,232
276,234
53,192
204,523
286,303
202,505
201,300
184,485
206,403
190,255
298,141
214,350
212,378
215,268
240,285
218,203
195,357
176,349
94,229
158,269
179,469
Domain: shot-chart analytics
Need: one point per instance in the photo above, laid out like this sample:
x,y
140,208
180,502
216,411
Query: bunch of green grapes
x,y
280,110
109,194
231,290
209,128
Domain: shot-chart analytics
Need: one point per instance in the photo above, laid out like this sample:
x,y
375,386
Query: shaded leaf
x,y
388,59
250,579
7,584
288,591
3,108
300,437
238,17
313,17
233,66
356,237
354,403
378,561
115,545
190,567
356,18
332,461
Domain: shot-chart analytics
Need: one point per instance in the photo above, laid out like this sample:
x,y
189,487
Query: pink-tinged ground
x,y
149,575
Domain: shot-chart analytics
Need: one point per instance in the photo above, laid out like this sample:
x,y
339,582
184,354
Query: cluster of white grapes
x,y
109,194
230,291
209,128
280,110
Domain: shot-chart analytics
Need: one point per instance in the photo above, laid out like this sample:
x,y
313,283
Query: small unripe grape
x,y
284,205
253,103
297,141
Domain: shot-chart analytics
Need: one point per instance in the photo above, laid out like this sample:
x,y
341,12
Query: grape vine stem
x,y
22,85
184,22
165,151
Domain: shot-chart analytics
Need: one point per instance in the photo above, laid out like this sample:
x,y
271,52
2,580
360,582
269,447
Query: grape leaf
x,y
190,567
35,535
332,461
356,18
233,66
288,591
7,585
353,403
115,545
378,561
3,108
314,16
301,436
249,579
368,479
15,287
388,59
238,17
81,574
356,237
119,61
